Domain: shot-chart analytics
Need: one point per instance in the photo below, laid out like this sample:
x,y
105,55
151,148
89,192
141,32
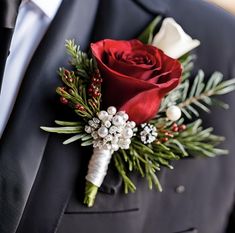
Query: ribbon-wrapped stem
x,y
97,170
110,131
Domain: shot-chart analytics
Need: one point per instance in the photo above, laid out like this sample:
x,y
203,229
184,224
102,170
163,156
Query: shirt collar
x,y
49,7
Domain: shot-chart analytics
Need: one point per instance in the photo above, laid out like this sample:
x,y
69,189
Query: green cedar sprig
x,y
75,93
200,94
67,127
84,65
82,84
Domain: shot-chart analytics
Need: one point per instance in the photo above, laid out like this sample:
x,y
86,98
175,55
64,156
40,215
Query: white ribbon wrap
x,y
98,166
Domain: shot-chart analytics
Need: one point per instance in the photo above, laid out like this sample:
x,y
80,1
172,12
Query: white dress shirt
x,y
32,22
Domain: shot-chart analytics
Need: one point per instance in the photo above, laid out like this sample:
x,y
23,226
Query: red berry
x,y
164,139
77,106
94,80
81,108
66,72
175,129
90,90
182,127
63,100
96,94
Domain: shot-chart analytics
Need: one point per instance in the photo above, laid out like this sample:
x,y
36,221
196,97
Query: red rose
x,y
136,76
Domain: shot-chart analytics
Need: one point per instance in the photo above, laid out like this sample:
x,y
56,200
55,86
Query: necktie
x,y
30,27
8,15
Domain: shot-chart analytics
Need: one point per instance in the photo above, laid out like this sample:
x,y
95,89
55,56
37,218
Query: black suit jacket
x,y
42,181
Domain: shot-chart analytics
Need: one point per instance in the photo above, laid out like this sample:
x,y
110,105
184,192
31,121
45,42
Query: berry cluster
x,y
68,95
166,134
178,128
69,76
95,85
66,101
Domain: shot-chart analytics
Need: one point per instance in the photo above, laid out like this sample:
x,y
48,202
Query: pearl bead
x,y
128,142
96,120
173,113
95,125
143,138
103,131
88,129
107,124
111,110
117,120
95,143
115,147
113,129
127,133
109,138
91,123
102,115
94,135
123,115
132,124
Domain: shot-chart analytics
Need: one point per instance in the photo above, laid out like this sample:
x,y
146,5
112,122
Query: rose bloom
x,y
136,76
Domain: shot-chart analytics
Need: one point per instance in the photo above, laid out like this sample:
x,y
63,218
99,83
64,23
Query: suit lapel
x,y
23,144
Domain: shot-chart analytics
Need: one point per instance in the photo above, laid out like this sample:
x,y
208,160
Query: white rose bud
x,y
172,39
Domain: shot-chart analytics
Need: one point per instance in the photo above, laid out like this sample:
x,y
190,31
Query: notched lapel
x,y
23,144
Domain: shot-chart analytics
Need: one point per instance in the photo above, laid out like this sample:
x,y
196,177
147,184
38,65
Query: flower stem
x,y
90,194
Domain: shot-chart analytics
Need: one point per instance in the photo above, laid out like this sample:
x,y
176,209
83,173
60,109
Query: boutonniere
x,y
135,105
